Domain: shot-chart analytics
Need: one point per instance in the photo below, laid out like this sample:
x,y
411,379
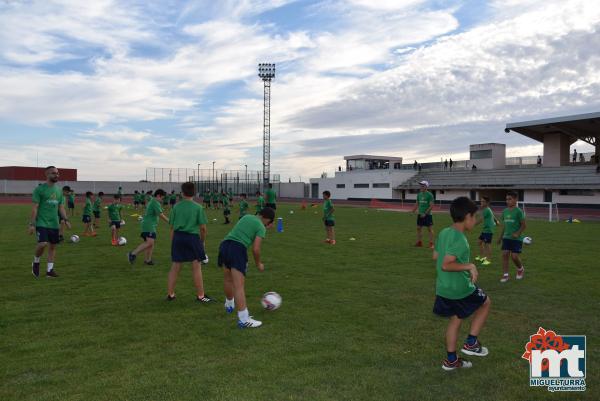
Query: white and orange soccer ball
x,y
271,301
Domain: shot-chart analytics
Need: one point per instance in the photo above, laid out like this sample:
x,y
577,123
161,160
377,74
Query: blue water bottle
x,y
280,224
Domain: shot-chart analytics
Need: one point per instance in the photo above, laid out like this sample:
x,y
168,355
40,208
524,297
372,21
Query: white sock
x,y
36,259
243,315
50,266
229,303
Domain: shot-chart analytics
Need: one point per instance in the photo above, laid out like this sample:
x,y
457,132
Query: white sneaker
x,y
250,323
504,278
520,273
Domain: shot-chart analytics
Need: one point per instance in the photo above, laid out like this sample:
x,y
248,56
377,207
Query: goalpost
x,y
541,209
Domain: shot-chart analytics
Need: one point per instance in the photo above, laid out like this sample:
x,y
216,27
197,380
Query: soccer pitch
x,y
356,321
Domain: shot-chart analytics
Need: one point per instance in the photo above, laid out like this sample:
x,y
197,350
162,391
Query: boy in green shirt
x,y
71,203
114,218
233,257
260,202
66,190
97,208
243,205
206,199
48,204
513,220
172,199
188,238
487,233
215,199
86,218
148,227
270,196
136,199
328,218
424,204
457,297
226,210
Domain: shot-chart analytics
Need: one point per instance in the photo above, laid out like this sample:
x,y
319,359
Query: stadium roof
x,y
372,157
585,127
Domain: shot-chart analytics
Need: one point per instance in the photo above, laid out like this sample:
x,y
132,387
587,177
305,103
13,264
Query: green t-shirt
x,y
453,285
48,199
260,203
512,218
114,211
215,197
225,200
247,229
206,197
489,225
97,204
328,210
165,200
87,209
187,216
424,199
72,197
119,192
243,207
270,195
150,220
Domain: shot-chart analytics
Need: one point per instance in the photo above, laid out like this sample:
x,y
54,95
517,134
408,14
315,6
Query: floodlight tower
x,y
266,71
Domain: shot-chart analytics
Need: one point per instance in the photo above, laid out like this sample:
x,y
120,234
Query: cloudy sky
x,y
114,86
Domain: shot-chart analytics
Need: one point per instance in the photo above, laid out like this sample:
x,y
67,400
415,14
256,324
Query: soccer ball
x,y
205,261
74,238
140,218
271,301
122,222
291,212
122,241
527,240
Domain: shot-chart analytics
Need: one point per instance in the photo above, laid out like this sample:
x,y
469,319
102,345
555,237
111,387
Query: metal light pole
x,y
214,177
246,180
198,183
266,71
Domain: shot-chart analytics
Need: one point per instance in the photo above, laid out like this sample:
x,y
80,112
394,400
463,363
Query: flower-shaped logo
x,y
544,340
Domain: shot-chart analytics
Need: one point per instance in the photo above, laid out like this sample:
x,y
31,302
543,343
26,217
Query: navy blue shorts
x,y
233,255
136,203
226,212
71,205
462,308
172,201
44,234
96,214
426,221
329,223
147,234
271,205
86,219
486,238
186,247
117,224
512,245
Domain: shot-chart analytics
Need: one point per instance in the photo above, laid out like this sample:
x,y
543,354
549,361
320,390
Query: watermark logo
x,y
556,362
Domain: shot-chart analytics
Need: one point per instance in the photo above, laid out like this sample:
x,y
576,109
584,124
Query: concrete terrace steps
x,y
584,177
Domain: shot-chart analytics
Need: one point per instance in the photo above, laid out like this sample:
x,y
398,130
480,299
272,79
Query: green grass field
x,y
355,324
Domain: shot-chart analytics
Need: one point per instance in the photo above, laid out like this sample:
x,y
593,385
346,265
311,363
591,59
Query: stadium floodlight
x,y
266,72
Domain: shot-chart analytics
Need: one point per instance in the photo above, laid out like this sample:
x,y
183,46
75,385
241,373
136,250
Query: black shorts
x,y
233,255
486,238
146,234
71,205
462,308
172,202
136,203
512,245
86,218
271,205
329,223
44,234
226,212
426,221
96,214
143,203
206,203
186,247
117,224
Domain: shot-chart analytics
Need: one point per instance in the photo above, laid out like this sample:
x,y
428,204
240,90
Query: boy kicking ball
x,y
513,220
188,236
233,257
457,297
114,218
487,233
149,223
328,218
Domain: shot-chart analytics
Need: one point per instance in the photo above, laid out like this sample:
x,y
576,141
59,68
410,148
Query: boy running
x,y
149,223
188,236
243,206
513,220
47,206
487,233
86,218
97,208
233,257
328,218
271,196
114,218
424,204
457,297
260,202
